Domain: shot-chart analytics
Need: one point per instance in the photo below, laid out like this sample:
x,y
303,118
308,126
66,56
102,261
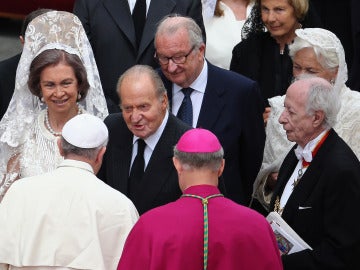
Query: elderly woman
x,y
318,52
263,55
56,79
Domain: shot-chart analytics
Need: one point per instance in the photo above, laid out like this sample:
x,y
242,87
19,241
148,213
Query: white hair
x,y
322,97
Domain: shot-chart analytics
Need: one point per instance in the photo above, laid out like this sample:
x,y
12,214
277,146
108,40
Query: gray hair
x,y
170,24
88,153
322,97
327,57
139,70
190,161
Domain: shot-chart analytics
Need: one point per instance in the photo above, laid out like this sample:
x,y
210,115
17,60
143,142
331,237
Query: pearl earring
x,y
42,99
79,96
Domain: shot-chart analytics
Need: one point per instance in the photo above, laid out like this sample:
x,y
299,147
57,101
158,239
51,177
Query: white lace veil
x,y
328,41
52,30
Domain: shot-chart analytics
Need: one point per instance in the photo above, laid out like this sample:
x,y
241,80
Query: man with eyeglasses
x,y
138,161
121,33
226,103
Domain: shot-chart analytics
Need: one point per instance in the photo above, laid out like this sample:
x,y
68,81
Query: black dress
x,y
258,57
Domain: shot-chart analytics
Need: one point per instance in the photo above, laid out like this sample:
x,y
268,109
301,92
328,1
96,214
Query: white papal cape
x,y
66,218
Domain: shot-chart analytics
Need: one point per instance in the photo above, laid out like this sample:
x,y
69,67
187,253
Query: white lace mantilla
x,y
53,30
38,155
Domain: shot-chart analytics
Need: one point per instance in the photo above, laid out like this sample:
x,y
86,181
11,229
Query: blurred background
x,y
9,37
12,12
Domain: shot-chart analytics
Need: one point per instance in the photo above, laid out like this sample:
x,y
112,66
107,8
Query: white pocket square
x,y
304,207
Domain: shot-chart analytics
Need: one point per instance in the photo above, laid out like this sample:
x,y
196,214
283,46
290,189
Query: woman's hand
x,y
271,181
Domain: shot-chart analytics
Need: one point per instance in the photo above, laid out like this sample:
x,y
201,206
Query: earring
x,y
42,99
79,96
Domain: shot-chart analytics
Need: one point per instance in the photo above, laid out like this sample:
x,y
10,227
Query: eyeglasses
x,y
180,59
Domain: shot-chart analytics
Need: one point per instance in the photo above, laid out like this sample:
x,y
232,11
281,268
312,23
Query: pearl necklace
x,y
48,126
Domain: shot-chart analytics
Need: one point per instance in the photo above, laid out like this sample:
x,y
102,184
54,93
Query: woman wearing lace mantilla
x,y
56,79
318,52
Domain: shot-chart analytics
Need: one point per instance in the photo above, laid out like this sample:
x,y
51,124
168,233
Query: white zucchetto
x,y
85,131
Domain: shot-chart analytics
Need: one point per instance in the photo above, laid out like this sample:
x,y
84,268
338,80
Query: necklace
x,y
48,126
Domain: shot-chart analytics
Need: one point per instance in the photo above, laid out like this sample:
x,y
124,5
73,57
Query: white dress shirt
x,y
133,2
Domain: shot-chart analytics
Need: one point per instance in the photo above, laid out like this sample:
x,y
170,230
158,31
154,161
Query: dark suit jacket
x,y
160,181
232,110
109,26
7,81
330,193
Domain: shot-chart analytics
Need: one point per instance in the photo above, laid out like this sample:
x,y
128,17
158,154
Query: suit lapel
x,y
122,152
302,192
120,12
212,104
286,169
306,185
124,165
157,10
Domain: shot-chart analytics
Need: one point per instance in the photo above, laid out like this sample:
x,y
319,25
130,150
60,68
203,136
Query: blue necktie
x,y
185,112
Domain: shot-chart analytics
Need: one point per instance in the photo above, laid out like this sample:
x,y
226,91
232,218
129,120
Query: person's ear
x,y
202,50
177,165
22,40
319,117
221,169
96,164
100,155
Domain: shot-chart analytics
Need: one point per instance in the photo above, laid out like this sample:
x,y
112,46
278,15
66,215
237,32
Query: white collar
x,y
306,152
76,164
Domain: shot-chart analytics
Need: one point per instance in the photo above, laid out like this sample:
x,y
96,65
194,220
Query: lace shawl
x,y
52,30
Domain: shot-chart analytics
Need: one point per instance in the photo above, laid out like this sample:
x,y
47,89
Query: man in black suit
x,y
318,186
145,116
110,28
226,103
8,66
